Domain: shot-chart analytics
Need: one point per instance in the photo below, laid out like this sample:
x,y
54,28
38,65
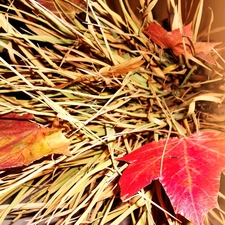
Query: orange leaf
x,y
22,141
66,7
123,68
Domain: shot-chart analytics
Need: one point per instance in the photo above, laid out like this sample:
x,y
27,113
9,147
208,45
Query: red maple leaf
x,y
176,39
189,169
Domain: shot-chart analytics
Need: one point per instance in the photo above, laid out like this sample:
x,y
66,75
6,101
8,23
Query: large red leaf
x,y
176,39
189,169
22,141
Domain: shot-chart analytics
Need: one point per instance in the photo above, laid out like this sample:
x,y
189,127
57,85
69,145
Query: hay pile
x,y
112,90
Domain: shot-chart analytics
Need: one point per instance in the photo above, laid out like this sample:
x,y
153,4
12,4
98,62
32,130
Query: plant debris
x,y
113,90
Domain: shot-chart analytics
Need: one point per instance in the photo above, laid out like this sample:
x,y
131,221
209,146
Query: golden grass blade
x,y
197,19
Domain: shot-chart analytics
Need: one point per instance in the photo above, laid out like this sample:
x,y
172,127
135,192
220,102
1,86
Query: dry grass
x,y
113,90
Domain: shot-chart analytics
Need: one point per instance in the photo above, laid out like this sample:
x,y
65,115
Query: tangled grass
x,y
112,90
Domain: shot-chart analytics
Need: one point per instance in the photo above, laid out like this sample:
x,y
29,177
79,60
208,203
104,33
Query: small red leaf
x,y
190,172
22,141
176,39
160,36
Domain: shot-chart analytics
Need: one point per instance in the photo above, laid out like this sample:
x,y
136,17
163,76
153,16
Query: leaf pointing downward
x,y
190,172
22,142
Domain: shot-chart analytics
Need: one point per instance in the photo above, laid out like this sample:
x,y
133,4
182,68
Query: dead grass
x,y
112,89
